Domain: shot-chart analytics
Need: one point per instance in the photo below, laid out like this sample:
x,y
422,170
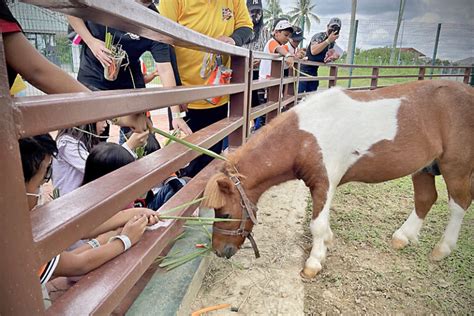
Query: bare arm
x,y
73,263
316,48
36,69
290,58
120,219
96,46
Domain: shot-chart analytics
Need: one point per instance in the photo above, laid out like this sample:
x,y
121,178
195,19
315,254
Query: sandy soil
x,y
270,285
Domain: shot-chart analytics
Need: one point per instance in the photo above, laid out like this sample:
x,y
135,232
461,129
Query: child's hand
x,y
153,219
290,61
137,140
100,52
135,228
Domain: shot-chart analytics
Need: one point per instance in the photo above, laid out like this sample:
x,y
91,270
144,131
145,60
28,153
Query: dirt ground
x,y
361,275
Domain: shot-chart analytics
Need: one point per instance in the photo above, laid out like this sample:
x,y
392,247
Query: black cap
x,y
297,34
254,4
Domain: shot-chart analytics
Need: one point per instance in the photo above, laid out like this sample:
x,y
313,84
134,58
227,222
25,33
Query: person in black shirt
x,y
94,55
320,49
22,58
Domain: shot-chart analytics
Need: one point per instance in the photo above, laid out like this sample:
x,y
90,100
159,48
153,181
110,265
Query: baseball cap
x,y
335,21
254,4
297,34
283,25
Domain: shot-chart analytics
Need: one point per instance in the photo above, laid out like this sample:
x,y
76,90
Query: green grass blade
x,y
175,134
194,147
204,219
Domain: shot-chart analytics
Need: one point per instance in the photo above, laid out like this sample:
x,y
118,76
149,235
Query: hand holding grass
x,y
100,51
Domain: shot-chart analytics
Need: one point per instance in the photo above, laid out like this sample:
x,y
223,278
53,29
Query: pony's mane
x,y
254,142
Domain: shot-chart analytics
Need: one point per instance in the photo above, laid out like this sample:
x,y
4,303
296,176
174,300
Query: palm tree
x,y
303,13
272,13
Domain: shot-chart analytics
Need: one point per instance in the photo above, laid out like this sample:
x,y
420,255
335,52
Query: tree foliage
x,y
272,12
302,14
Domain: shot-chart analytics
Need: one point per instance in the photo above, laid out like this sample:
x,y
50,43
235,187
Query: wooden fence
x,y
29,239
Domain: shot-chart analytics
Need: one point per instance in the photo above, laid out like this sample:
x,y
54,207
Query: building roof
x,y
413,50
465,61
34,19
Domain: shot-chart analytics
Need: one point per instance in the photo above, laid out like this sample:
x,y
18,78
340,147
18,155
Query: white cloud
x,y
428,18
378,35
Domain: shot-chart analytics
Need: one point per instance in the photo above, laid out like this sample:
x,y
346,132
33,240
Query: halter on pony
x,y
249,210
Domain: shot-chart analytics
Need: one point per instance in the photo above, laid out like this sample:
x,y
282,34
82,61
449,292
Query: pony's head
x,y
222,194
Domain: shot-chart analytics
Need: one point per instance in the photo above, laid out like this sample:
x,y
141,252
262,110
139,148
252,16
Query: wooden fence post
x,y
297,84
467,74
375,78
239,101
421,73
20,291
274,93
332,73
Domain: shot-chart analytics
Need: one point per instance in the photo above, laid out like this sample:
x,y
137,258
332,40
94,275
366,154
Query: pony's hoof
x,y
309,273
440,252
398,243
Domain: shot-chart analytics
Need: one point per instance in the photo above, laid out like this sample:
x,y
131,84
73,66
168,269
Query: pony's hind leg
x,y
459,190
320,230
425,195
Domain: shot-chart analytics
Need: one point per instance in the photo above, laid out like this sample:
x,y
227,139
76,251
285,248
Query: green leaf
x,y
171,210
194,147
203,219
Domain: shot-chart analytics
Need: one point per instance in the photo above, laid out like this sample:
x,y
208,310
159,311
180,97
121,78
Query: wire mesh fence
x,y
48,32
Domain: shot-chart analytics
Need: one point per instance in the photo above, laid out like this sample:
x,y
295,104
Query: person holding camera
x,y
321,49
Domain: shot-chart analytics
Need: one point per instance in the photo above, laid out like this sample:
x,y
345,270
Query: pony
x,y
338,136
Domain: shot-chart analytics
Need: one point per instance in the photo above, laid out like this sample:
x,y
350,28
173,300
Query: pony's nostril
x,y
229,251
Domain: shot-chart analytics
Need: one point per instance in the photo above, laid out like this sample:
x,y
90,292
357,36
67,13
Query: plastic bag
x,y
216,73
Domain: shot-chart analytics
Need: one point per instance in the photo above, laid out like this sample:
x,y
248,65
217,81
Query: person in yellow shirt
x,y
225,20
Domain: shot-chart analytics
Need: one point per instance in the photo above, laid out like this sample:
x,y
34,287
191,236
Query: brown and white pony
x,y
339,136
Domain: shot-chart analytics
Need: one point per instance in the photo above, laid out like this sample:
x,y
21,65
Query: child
x,y
107,157
295,39
36,153
281,33
74,145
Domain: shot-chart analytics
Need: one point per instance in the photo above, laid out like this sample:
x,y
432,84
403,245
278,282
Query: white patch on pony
x,y
408,232
321,232
450,237
343,126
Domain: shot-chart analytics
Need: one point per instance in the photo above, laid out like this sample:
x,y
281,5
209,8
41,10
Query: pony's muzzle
x,y
228,251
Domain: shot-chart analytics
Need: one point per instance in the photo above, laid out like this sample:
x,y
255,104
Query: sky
x,y
378,20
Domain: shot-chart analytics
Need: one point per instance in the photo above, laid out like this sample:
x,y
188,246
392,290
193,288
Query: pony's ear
x,y
217,189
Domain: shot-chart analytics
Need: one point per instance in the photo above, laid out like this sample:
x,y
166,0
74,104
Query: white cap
x,y
283,25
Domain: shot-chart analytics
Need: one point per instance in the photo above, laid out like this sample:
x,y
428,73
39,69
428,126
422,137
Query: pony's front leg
x,y
322,234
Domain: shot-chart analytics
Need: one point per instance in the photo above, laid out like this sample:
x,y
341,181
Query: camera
x,y
335,29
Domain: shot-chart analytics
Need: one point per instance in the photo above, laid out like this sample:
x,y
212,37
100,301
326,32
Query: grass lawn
x,y
363,219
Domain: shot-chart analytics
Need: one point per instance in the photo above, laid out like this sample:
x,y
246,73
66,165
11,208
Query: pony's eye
x,y
223,215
